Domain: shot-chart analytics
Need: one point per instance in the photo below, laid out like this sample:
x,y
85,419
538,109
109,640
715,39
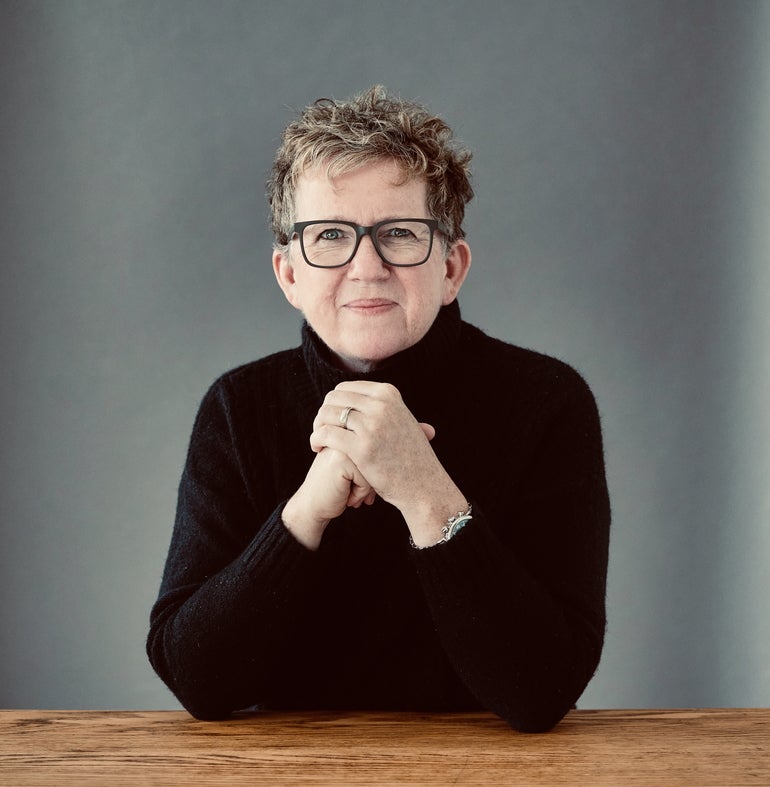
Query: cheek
x,y
422,313
431,293
317,294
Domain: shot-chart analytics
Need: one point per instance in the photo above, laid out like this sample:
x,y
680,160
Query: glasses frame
x,y
433,225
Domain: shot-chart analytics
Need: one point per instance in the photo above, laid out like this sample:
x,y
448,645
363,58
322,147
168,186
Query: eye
x,y
330,234
399,232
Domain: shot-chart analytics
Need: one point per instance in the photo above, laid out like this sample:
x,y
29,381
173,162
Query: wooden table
x,y
616,747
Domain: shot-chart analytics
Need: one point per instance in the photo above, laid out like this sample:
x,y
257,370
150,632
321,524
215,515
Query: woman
x,y
401,513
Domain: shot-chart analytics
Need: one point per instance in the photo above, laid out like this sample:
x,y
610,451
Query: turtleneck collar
x,y
407,370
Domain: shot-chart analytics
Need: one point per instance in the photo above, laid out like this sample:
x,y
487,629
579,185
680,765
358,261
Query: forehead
x,y
379,186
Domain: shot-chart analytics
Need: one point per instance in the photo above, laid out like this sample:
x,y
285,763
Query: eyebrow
x,y
379,221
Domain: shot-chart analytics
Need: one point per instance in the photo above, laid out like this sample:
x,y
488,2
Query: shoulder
x,y
256,383
274,365
521,367
535,399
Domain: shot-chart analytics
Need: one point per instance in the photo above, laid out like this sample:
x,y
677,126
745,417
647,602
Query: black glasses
x,y
400,242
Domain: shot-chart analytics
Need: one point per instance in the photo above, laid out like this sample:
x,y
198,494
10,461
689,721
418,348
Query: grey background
x,y
621,224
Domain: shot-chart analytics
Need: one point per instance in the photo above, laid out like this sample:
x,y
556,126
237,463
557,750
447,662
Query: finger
x,y
360,394
341,398
334,415
365,387
360,490
356,499
428,430
334,407
326,436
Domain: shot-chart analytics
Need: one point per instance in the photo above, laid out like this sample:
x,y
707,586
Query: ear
x,y
458,263
284,274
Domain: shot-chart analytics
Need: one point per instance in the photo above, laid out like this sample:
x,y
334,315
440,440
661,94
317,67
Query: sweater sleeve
x,y
232,573
518,596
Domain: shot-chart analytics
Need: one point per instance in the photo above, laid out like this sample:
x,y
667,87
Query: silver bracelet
x,y
452,527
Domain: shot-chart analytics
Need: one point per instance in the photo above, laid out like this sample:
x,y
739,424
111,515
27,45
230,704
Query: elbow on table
x,y
206,712
194,695
198,702
537,722
540,708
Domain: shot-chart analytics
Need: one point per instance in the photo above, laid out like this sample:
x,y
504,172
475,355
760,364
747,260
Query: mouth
x,y
370,305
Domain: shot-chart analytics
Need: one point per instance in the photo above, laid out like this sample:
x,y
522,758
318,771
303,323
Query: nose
x,y
367,263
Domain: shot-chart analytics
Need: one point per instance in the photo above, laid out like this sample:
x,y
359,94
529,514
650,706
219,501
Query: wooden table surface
x,y
590,747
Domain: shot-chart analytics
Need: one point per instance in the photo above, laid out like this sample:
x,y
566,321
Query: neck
x,y
354,365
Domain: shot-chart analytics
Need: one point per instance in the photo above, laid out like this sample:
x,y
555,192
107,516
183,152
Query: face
x,y
367,310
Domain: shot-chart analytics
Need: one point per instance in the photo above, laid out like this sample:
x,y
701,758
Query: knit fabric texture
x,y
507,616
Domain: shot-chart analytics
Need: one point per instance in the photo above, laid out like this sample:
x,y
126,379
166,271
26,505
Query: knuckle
x,y
319,434
390,392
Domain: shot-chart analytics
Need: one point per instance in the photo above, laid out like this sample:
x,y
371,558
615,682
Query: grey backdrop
x,y
621,224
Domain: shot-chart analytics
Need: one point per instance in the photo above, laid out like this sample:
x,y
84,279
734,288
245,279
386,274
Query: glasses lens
x,y
404,242
329,244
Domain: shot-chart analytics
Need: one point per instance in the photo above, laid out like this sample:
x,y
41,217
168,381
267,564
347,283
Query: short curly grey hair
x,y
342,136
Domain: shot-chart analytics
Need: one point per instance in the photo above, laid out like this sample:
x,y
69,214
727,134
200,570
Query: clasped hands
x,y
381,449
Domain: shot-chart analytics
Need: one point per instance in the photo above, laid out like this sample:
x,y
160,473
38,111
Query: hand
x,y
392,451
332,484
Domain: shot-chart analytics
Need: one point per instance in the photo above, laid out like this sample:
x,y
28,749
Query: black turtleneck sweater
x,y
508,615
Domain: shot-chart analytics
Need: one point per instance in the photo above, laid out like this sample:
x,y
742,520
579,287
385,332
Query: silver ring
x,y
344,417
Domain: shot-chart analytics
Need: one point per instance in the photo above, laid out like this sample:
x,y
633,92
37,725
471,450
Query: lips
x,y
369,303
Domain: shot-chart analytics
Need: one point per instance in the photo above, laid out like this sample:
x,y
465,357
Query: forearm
x,y
214,641
522,649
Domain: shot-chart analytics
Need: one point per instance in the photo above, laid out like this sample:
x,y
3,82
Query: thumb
x,y
429,431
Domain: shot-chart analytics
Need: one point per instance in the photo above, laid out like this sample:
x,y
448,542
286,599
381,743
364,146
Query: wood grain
x,y
603,747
